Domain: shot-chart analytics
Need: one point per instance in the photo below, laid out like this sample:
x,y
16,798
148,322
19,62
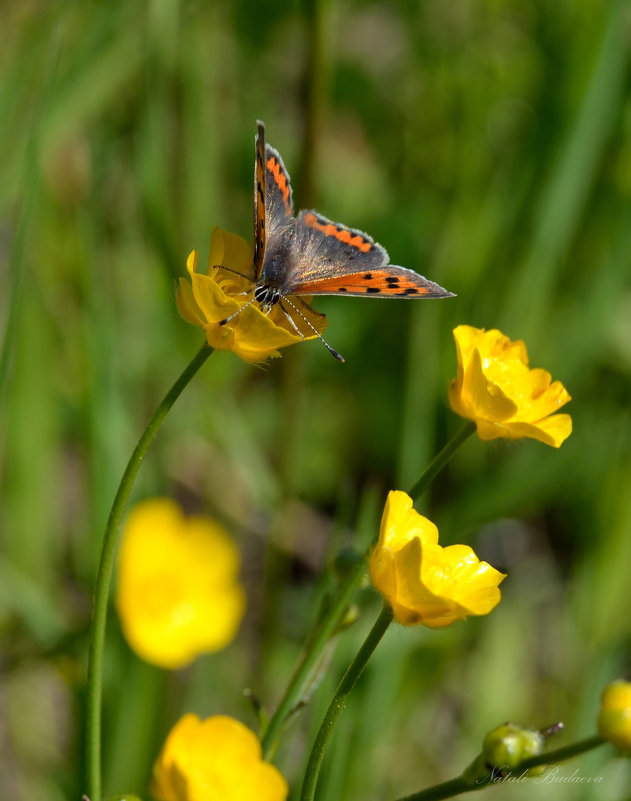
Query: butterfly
x,y
310,255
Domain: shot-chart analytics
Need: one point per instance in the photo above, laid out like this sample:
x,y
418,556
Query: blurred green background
x,y
486,144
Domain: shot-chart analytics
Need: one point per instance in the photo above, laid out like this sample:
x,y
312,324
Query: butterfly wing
x,y
259,199
273,205
278,198
279,222
332,259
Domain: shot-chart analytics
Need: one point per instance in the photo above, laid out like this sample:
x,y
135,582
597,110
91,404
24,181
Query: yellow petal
x,y
418,570
214,303
231,251
553,430
474,584
400,522
485,398
187,306
496,389
191,262
382,573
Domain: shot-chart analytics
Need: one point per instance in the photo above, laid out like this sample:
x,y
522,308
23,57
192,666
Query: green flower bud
x,y
508,745
344,562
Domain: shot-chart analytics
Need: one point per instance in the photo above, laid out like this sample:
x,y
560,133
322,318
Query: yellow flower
x,y
614,719
178,595
218,759
209,299
496,389
423,582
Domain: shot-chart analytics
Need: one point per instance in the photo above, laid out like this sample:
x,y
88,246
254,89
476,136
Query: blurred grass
x,y
486,145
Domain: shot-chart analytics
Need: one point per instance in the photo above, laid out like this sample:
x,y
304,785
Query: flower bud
x,y
509,745
344,563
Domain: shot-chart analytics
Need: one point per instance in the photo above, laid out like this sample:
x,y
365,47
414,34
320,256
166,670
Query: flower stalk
x,y
339,700
441,460
104,575
325,630
461,784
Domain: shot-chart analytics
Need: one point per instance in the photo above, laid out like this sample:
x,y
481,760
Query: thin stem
x,y
446,789
562,754
326,629
104,575
441,460
329,623
459,785
339,700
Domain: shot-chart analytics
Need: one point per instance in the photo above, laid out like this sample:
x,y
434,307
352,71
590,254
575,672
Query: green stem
x,y
326,629
459,785
338,702
562,754
329,623
441,460
447,789
104,576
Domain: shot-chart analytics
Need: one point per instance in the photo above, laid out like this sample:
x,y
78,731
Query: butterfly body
x,y
311,255
279,262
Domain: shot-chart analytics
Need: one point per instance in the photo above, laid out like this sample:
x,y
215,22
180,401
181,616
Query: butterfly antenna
x,y
230,270
238,311
331,350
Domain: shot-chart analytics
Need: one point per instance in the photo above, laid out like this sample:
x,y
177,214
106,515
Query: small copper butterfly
x,y
310,255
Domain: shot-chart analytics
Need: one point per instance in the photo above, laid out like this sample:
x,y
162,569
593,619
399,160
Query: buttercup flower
x,y
423,582
614,719
218,759
177,595
209,299
496,389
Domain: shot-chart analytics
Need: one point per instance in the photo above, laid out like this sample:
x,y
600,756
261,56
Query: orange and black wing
x,y
331,259
278,199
